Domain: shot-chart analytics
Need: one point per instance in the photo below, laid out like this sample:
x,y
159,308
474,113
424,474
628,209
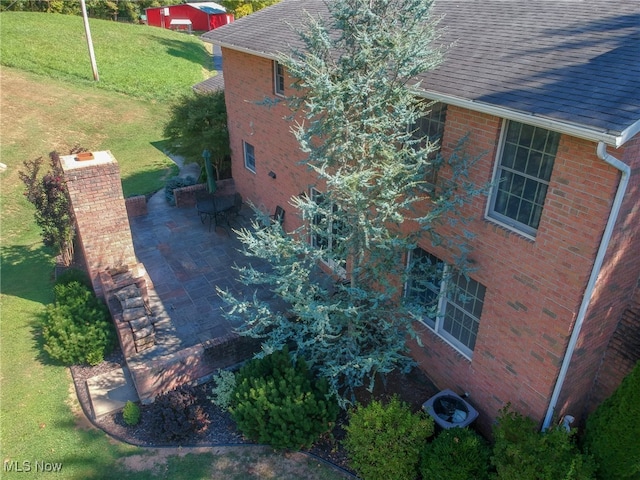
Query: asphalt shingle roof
x,y
570,61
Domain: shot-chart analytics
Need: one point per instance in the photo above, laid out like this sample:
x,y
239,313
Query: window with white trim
x,y
522,176
326,230
278,78
249,156
447,301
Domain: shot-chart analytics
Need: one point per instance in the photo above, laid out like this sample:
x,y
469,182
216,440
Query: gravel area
x,y
413,388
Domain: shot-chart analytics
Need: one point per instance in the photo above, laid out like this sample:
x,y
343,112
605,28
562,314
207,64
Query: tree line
x,y
122,10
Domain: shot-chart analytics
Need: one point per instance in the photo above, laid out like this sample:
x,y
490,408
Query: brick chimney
x,y
104,235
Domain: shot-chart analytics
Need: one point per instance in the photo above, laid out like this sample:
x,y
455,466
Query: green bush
x,y
280,403
176,182
222,391
384,441
522,452
612,432
131,413
77,327
456,454
73,275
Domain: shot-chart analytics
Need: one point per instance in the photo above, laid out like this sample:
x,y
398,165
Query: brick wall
x,y
101,215
622,354
613,306
248,79
136,206
534,287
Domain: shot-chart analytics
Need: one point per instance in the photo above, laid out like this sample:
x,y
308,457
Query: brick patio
x,y
185,262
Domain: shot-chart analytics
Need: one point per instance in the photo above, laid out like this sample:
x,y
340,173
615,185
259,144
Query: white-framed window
x,y
249,156
326,229
448,302
278,78
430,127
526,159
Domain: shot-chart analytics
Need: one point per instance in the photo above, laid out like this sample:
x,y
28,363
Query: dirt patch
x,y
153,458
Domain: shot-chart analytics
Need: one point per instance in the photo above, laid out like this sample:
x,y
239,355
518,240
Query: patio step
x,y
110,391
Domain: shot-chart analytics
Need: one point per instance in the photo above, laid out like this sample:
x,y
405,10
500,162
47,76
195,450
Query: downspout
x,y
625,171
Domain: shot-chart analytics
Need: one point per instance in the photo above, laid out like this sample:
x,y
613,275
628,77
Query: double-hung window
x,y
522,176
430,128
278,78
249,157
326,230
447,301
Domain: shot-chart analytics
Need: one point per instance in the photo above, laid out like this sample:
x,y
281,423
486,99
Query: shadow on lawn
x,y
25,267
193,52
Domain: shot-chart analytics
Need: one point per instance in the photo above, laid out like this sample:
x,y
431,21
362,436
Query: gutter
x,y
615,140
625,171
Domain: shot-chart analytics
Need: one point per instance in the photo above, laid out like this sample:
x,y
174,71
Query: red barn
x,y
203,16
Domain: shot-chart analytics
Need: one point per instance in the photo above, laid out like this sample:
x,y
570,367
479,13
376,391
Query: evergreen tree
x,y
358,98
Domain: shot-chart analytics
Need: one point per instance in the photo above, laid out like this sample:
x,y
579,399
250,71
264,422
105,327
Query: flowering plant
x,y
50,196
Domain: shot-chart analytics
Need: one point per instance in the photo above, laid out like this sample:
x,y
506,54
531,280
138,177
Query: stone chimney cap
x,y
70,162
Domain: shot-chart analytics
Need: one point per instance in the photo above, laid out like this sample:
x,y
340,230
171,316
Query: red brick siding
x,y
534,287
248,80
622,354
612,306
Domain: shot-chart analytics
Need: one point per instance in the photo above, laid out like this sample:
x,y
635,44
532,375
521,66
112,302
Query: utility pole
x,y
92,56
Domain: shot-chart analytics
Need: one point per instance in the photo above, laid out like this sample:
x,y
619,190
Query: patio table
x,y
217,208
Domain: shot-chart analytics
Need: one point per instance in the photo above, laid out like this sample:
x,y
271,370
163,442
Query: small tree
x,y
198,122
358,101
50,196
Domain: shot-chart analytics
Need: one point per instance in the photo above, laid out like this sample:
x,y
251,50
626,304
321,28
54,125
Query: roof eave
x,y
249,51
575,130
572,129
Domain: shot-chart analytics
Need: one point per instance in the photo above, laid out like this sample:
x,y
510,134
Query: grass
x,y
137,60
39,418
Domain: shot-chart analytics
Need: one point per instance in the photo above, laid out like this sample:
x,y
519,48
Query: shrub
x,y
384,441
522,452
177,414
176,182
280,403
50,197
131,413
612,432
73,275
77,327
455,454
222,392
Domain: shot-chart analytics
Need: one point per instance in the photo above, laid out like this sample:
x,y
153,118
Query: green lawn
x,y
51,104
138,60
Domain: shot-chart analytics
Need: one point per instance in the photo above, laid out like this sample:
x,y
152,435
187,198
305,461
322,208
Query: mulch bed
x,y
413,388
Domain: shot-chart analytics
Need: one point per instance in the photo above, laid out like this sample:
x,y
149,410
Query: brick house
x,y
553,99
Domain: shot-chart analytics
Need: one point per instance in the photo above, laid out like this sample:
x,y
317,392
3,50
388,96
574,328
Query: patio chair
x,y
205,206
278,216
237,207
